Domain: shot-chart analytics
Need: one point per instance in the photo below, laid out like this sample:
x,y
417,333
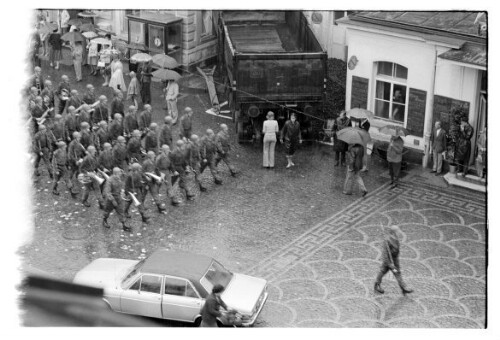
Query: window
x,y
151,284
339,15
216,274
136,285
136,32
175,286
390,91
190,292
156,37
206,23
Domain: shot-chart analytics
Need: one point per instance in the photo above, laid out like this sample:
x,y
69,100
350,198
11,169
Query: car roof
x,y
177,263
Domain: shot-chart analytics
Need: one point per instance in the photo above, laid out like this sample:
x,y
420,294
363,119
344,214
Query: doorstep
x,y
469,182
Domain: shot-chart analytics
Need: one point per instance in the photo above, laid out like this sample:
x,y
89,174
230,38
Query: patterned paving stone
x,y
318,324
449,321
401,307
274,292
398,204
296,288
440,216
324,253
276,315
412,323
366,324
309,309
457,231
429,249
405,250
299,270
373,233
481,230
463,286
438,306
412,268
468,248
356,250
326,269
351,235
443,267
405,216
428,287
352,308
476,305
415,232
379,219
344,287
363,268
479,265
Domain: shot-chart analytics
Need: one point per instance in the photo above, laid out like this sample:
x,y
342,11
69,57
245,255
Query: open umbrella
x,y
73,37
87,27
75,22
102,41
48,27
141,57
89,35
394,130
87,14
359,113
165,61
354,135
109,51
164,74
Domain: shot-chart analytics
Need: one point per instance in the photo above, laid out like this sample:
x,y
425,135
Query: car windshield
x,y
133,272
216,274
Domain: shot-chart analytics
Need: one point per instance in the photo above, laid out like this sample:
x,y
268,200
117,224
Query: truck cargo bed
x,y
268,38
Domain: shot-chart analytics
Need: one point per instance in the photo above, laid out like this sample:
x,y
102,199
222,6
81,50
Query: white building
x,y
411,68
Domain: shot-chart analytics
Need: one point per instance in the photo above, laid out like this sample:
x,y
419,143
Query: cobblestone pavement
x,y
317,247
325,277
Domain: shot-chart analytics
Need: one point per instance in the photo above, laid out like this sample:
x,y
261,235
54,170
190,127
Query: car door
x,y
181,301
143,297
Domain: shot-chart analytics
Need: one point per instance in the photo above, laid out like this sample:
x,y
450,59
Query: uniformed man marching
x,y
209,153
103,133
116,127
134,147
186,123
130,122
105,161
88,168
57,129
165,169
153,185
151,140
59,162
135,183
113,198
224,148
179,163
120,154
390,260
71,123
86,137
42,147
165,135
145,119
195,160
101,110
76,152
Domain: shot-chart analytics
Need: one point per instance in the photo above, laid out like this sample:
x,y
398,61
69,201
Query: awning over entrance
x,y
471,54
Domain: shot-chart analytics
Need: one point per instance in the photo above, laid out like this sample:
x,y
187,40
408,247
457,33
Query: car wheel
x,y
197,322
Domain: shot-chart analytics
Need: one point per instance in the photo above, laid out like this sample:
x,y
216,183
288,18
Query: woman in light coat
x,y
269,129
117,82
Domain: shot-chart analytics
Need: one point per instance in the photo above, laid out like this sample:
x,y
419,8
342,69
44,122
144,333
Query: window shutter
x,y
416,112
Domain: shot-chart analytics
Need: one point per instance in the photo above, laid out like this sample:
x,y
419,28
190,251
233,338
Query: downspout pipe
x,y
429,116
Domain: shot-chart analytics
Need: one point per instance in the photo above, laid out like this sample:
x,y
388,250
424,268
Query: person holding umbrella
x,y
339,146
355,154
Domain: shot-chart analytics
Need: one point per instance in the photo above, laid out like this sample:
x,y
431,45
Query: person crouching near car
x,y
211,309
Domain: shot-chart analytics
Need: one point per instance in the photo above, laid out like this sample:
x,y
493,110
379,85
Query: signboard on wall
x,y
442,109
416,112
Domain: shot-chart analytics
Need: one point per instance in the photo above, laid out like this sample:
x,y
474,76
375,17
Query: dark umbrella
x,y
75,22
48,27
73,37
164,74
359,113
394,130
165,61
87,14
87,27
354,135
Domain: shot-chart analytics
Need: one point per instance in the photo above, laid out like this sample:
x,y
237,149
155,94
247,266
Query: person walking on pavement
x,y
71,123
464,145
42,147
36,80
186,123
48,94
165,169
145,119
390,260
354,164
179,163
133,91
55,43
166,132
57,129
77,55
130,122
269,129
88,169
291,136
153,185
134,147
135,184
113,199
63,92
146,83
211,309
102,134
394,157
105,161
101,111
195,160
86,136
89,97
365,125
116,127
223,149
117,82
171,94
209,154
117,105
76,153
151,140
339,146
59,167
73,100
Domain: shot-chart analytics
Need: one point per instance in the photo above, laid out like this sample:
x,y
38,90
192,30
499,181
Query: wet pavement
x,y
318,248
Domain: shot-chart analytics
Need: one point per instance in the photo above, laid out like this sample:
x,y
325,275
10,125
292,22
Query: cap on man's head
x,y
117,116
168,119
42,127
107,145
153,126
188,109
218,288
48,82
74,91
117,170
90,86
165,147
102,97
38,68
64,77
61,144
136,166
57,116
136,133
179,143
121,139
151,154
103,123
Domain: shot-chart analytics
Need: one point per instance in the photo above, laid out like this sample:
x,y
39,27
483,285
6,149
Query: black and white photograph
x,y
275,168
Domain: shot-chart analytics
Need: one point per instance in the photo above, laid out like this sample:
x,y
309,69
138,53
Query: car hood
x,y
243,292
104,273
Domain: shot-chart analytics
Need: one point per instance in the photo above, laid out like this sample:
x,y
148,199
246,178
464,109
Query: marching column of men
x,y
121,160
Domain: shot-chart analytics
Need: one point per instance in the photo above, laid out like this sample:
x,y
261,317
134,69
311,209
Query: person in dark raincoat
x,y
211,309
464,145
290,135
394,157
340,147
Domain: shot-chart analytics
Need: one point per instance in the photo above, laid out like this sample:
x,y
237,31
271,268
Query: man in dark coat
x,y
63,92
42,147
120,154
116,127
208,153
211,309
390,260
88,169
117,105
153,186
223,149
165,137
354,164
340,147
130,122
146,83
290,134
438,147
464,145
179,163
186,123
134,147
151,140
135,183
145,119
89,96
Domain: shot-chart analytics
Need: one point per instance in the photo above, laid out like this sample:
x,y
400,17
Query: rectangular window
x,y
136,32
174,286
206,23
156,37
390,91
151,284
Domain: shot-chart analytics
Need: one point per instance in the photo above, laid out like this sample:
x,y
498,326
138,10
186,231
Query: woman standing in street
x,y
290,134
269,129
92,57
56,45
117,81
77,54
394,157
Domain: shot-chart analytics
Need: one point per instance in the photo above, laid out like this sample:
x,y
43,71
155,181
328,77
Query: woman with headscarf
x,y
269,129
290,135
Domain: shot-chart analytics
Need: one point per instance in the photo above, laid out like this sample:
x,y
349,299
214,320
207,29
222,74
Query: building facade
x,y
412,68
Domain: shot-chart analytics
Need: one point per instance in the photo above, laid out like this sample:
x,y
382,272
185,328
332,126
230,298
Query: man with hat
x,y
101,110
59,162
164,167
57,129
117,105
74,100
86,137
135,184
195,159
208,153
85,113
42,147
130,122
48,94
76,153
71,122
166,132
37,80
89,96
211,309
145,119
105,161
113,193
134,147
390,260
63,92
146,82
116,127
102,133
149,166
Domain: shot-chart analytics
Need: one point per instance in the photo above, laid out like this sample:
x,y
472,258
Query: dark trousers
x,y
92,185
394,171
61,174
154,189
225,157
140,197
384,268
340,156
73,172
186,133
197,173
182,178
46,159
109,207
213,169
146,93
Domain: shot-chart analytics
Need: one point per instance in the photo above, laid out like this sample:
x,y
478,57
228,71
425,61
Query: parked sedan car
x,y
173,285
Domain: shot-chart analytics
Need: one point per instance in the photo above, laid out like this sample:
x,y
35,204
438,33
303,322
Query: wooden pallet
x,y
209,78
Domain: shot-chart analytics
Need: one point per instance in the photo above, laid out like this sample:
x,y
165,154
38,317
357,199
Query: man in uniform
x,y
89,166
186,123
48,94
101,110
195,159
85,113
59,162
89,96
166,132
164,167
390,260
149,166
63,92
120,154
208,153
134,148
223,148
36,80
116,127
76,152
57,129
117,105
130,122
42,147
74,100
103,133
135,183
113,191
179,163
105,161
145,119
37,112
86,136
71,123
151,140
